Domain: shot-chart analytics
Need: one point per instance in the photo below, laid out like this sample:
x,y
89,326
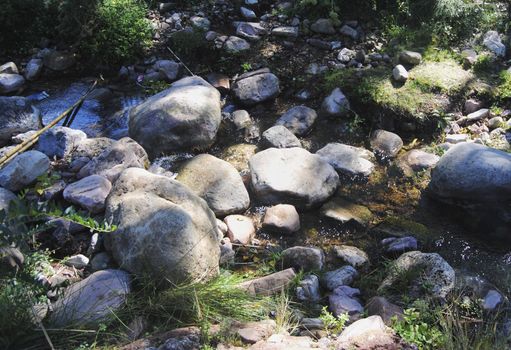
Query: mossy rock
x,y
401,227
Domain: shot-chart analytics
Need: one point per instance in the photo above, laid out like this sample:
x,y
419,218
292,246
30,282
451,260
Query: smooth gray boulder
x,y
348,160
410,57
10,82
336,104
164,231
89,193
59,141
292,176
119,156
386,144
18,116
92,300
255,87
183,117
217,182
24,170
299,120
279,136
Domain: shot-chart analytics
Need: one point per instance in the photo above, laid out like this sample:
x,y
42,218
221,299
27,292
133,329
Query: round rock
x,y
299,120
282,218
255,87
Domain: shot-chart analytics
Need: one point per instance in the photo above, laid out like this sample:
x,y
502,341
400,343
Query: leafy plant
x,y
414,329
333,325
247,67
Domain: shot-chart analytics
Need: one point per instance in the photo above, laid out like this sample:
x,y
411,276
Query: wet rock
x,y
217,182
343,301
6,197
400,74
93,300
77,261
308,289
59,61
351,255
344,211
164,229
416,160
60,141
121,155
185,116
234,45
343,276
24,170
429,269
299,120
286,32
336,104
282,218
255,87
279,136
323,26
399,245
269,285
33,69
303,258
410,57
348,160
11,83
89,193
385,309
240,229
292,176
386,144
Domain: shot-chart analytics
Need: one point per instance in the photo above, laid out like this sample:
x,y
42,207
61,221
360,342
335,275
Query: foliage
x,y
503,90
188,43
154,87
333,325
484,63
415,328
246,67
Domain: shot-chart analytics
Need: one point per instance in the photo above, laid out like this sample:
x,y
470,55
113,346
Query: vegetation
x,y
333,325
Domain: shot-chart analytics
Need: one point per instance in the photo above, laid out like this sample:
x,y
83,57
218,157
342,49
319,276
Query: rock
x,y
469,57
323,26
336,104
312,323
416,160
18,116
410,57
6,197
303,258
9,68
299,120
279,136
255,87
282,341
11,259
493,42
478,115
24,170
386,144
77,261
164,230
101,261
472,105
380,306
241,119
33,69
89,193
227,252
495,122
428,269
349,32
348,160
492,300
90,148
219,81
343,301
314,68
185,116
308,289
217,182
252,332
351,255
400,74
240,229
185,339
346,55
10,83
239,155
59,141
234,44
20,138
368,333
168,70
282,218
200,23
59,61
286,32
344,211
456,138
92,300
121,155
343,276
250,31
247,13
292,176
399,245
269,285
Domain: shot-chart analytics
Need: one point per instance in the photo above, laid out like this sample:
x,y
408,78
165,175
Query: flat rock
x,y
343,276
344,211
416,160
351,255
299,120
271,284
348,160
90,193
279,136
24,170
255,87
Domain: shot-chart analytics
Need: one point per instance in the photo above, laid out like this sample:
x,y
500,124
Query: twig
x,y
180,60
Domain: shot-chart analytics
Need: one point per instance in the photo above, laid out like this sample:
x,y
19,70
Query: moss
x,y
401,227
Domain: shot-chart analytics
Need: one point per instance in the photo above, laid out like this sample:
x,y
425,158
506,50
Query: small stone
x,y
344,211
308,289
234,44
60,141
416,160
247,13
59,61
410,57
271,284
24,170
456,138
240,229
101,261
386,144
90,193
493,42
346,55
9,68
10,83
495,122
282,218
200,23
349,32
77,261
33,69
341,302
299,120
492,300
303,258
287,32
241,119
399,245
400,74
351,255
252,332
348,160
336,104
279,136
343,276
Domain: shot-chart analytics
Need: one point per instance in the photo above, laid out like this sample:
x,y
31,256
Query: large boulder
x,y
164,231
255,87
292,176
24,170
18,116
92,300
121,155
60,141
185,116
217,182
